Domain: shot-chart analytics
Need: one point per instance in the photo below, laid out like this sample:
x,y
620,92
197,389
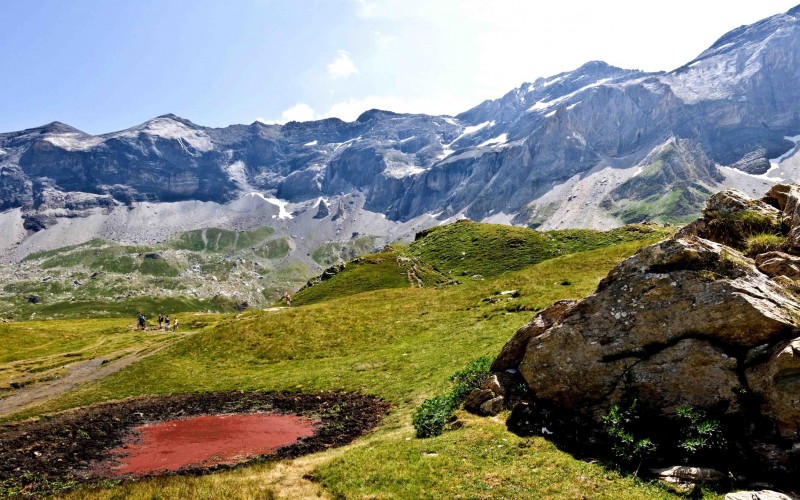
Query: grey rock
x,y
514,350
493,406
476,398
686,474
779,264
758,495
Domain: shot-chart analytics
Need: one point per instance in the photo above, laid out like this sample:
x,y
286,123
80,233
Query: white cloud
x,y
384,40
366,9
300,112
342,66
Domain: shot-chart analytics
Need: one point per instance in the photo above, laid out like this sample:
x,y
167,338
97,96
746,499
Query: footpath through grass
x,y
401,344
38,351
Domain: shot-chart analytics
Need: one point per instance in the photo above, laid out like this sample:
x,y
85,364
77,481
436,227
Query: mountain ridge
x,y
523,159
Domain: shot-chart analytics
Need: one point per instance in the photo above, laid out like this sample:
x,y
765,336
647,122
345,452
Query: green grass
x,y
219,240
765,242
468,248
126,307
401,344
111,258
483,460
36,351
378,271
95,243
678,206
274,249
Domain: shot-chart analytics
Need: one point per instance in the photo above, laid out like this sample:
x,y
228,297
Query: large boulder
x,y
687,322
665,326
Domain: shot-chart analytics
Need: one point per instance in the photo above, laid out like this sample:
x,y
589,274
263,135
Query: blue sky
x,y
105,65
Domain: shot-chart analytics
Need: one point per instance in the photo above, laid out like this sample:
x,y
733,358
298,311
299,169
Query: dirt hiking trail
x,y
77,374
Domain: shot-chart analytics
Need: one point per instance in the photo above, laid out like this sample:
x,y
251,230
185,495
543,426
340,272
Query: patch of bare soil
x,y
58,452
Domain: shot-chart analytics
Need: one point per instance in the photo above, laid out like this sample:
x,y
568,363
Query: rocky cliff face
x,y
709,319
597,146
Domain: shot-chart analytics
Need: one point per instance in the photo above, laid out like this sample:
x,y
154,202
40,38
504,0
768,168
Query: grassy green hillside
x,y
396,341
467,248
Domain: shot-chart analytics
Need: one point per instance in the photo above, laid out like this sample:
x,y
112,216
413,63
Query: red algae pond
x,y
178,434
204,441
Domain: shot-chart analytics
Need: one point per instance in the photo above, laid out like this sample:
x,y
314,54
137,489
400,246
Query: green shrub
x,y
764,242
699,434
625,445
470,377
432,415
430,418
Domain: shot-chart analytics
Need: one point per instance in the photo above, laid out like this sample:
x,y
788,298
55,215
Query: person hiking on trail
x,y
166,324
287,298
160,321
175,325
142,321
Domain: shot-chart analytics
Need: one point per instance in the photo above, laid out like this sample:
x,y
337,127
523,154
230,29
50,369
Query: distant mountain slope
x,y
578,149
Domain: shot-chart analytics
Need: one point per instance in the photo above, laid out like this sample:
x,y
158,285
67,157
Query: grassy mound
x,y
383,270
467,248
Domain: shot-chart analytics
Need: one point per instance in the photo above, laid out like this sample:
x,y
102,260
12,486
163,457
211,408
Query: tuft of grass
x,y
431,417
764,242
736,228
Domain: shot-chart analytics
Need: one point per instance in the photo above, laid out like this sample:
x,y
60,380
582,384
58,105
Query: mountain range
x,y
596,147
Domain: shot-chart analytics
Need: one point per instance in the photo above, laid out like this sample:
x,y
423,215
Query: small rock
x,y
757,495
685,474
493,406
34,299
476,398
779,264
493,384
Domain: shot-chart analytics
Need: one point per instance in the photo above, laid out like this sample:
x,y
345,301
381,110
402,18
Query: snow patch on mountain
x,y
282,212
474,128
500,139
74,141
237,172
544,104
400,170
167,128
775,161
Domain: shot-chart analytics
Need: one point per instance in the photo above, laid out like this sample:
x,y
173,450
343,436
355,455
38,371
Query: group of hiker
x,y
164,323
